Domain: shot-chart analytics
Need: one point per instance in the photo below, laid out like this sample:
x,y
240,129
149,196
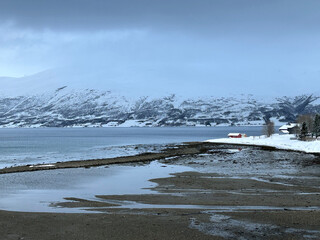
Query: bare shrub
x,y
268,128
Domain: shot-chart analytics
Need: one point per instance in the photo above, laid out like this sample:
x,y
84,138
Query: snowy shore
x,y
284,142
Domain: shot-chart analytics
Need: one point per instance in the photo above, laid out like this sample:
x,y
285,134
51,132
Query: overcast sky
x,y
199,47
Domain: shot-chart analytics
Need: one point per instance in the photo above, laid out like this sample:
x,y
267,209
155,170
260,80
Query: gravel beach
x,y
228,193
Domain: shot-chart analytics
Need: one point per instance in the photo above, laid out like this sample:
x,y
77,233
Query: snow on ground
x,y
287,142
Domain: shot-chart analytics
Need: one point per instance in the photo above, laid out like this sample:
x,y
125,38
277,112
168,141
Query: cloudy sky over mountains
x,y
204,47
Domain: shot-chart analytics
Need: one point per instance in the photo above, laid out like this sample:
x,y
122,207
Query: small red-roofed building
x,y
235,135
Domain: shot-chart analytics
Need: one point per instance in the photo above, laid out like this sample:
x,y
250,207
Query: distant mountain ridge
x,y
66,107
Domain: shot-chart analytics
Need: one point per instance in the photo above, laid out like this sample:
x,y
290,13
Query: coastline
x,y
230,193
188,148
275,142
171,151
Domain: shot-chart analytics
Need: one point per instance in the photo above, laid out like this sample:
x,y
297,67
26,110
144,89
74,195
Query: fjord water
x,y
43,145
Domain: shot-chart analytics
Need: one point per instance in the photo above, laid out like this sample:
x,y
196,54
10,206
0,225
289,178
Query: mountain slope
x,y
68,107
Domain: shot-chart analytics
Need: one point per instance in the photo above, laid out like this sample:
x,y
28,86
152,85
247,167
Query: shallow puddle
x,y
35,191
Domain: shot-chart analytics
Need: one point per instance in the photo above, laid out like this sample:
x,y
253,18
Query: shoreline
x,y
188,148
175,151
274,142
266,147
229,193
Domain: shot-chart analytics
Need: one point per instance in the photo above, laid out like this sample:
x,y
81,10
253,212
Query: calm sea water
x,y
44,145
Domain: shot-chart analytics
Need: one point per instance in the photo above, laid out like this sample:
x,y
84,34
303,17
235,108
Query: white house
x,y
289,128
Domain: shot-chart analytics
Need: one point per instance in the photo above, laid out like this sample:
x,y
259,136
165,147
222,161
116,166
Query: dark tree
x,y
308,119
316,126
303,132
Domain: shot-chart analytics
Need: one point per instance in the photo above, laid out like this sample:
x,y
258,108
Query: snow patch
x,y
42,165
286,142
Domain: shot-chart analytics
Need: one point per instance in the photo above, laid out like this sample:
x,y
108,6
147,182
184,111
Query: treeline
x,y
310,126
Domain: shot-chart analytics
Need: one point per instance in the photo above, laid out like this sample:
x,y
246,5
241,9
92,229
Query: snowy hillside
x,y
43,101
71,108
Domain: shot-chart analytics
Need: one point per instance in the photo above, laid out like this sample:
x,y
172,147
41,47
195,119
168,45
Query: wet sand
x,y
232,193
161,224
44,226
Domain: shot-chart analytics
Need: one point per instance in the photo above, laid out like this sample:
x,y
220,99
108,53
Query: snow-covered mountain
x,y
64,107
54,99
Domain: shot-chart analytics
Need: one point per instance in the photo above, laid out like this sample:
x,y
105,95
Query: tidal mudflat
x,y
226,192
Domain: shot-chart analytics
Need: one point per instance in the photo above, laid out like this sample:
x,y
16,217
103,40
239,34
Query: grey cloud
x,y
205,16
188,46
